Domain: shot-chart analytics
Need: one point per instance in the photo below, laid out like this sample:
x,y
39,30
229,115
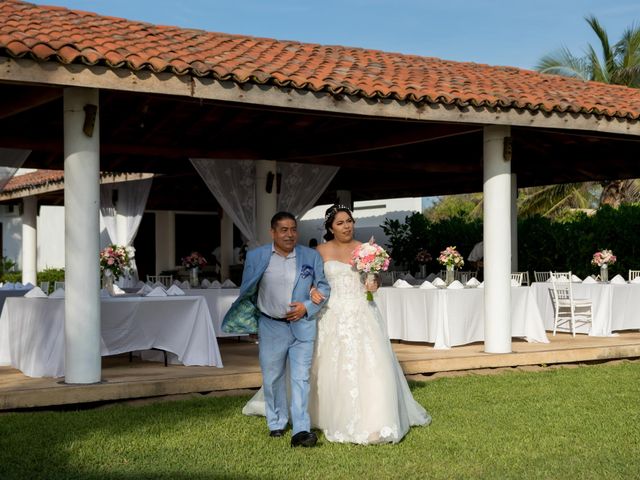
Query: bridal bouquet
x,y
603,257
194,260
451,258
370,258
115,261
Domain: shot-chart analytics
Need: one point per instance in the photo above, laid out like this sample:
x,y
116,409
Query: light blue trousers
x,y
277,345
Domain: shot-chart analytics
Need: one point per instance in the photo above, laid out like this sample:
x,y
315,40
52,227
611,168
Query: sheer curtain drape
x,y
11,160
232,183
121,218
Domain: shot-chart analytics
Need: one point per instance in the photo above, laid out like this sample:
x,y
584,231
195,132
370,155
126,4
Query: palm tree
x,y
617,64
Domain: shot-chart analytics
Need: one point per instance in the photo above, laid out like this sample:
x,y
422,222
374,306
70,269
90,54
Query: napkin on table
x,y
636,280
18,286
589,280
8,286
144,290
158,284
481,285
35,292
438,282
215,284
175,290
185,285
456,285
205,283
514,283
473,282
176,282
156,292
431,277
228,283
409,278
402,284
618,280
427,285
28,285
140,284
59,293
575,278
117,290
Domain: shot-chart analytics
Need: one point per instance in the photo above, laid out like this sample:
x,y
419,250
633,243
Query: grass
x,y
561,423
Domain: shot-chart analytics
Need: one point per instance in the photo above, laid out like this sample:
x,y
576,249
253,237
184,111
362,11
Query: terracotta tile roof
x,y
67,36
34,179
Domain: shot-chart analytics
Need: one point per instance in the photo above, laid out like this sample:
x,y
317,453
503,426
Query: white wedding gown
x,y
358,391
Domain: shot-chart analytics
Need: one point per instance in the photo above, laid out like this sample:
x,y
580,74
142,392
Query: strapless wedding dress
x,y
358,391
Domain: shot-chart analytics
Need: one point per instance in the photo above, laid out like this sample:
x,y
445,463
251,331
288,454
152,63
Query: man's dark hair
x,y
281,216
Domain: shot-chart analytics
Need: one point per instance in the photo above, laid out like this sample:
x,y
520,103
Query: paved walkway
x,y
124,380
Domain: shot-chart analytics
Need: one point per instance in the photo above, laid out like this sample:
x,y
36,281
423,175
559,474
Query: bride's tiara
x,y
335,209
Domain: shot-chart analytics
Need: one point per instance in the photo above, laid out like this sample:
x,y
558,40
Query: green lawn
x,y
561,423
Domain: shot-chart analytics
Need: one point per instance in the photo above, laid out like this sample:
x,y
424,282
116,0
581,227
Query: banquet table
x,y
615,306
32,331
219,301
6,293
450,317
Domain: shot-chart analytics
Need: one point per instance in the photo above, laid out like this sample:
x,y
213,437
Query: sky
x,y
496,32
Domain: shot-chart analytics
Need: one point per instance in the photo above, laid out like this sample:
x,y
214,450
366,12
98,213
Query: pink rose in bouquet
x,y
370,258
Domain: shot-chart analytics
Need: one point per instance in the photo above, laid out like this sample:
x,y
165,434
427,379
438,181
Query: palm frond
x,y
563,62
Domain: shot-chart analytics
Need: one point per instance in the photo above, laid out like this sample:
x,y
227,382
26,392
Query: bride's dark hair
x,y
330,216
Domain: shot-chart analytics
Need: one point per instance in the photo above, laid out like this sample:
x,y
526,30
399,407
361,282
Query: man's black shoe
x,y
276,433
304,439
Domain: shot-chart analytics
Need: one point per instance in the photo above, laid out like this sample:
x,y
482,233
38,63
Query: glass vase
x,y
450,277
423,271
193,277
604,273
107,283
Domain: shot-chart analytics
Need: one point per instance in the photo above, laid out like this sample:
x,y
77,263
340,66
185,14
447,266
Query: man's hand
x,y
298,310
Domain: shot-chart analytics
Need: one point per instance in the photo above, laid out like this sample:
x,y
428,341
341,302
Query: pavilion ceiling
x,y
378,157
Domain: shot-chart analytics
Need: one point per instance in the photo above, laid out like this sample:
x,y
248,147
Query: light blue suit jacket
x,y
243,315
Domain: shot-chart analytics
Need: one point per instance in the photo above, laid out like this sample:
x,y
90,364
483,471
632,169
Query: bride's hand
x,y
316,296
373,285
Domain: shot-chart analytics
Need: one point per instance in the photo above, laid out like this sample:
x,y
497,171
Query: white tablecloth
x,y
219,301
32,331
615,306
448,317
4,294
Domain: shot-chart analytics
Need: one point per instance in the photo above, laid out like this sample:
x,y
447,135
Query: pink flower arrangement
x,y
115,261
423,257
194,260
370,258
603,257
451,258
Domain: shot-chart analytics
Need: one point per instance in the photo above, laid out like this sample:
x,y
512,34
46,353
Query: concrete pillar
x,y
497,241
82,235
29,239
226,245
514,223
165,241
344,198
266,203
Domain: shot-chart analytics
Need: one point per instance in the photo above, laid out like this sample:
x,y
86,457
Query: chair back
x,y
44,286
165,280
541,276
397,275
386,278
561,282
464,276
57,285
525,278
517,278
633,274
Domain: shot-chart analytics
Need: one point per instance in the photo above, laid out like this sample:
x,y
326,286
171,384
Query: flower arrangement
x,y
451,258
423,257
194,260
603,257
115,261
370,258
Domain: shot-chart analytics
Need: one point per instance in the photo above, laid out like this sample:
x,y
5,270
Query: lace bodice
x,y
346,283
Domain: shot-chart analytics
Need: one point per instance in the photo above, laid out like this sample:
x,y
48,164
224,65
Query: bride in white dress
x,y
358,391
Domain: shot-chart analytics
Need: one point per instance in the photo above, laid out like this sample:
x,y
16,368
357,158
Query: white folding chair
x,y
525,278
386,278
57,285
44,286
633,274
165,280
517,278
463,276
567,309
541,276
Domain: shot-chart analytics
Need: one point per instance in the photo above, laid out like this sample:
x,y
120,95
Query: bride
x,y
358,391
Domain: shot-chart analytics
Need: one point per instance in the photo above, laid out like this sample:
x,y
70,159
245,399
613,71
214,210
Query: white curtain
x,y
11,160
232,183
122,218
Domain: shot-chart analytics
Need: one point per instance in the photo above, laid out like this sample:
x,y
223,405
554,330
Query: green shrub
x,y
51,275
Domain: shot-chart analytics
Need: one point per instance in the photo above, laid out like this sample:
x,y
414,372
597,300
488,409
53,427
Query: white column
x,y
165,241
514,223
497,242
344,198
82,236
226,245
266,203
29,239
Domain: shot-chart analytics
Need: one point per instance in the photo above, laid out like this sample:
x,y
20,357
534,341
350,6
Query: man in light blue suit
x,y
275,300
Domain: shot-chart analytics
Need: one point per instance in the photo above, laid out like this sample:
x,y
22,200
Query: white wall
x,y
369,215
